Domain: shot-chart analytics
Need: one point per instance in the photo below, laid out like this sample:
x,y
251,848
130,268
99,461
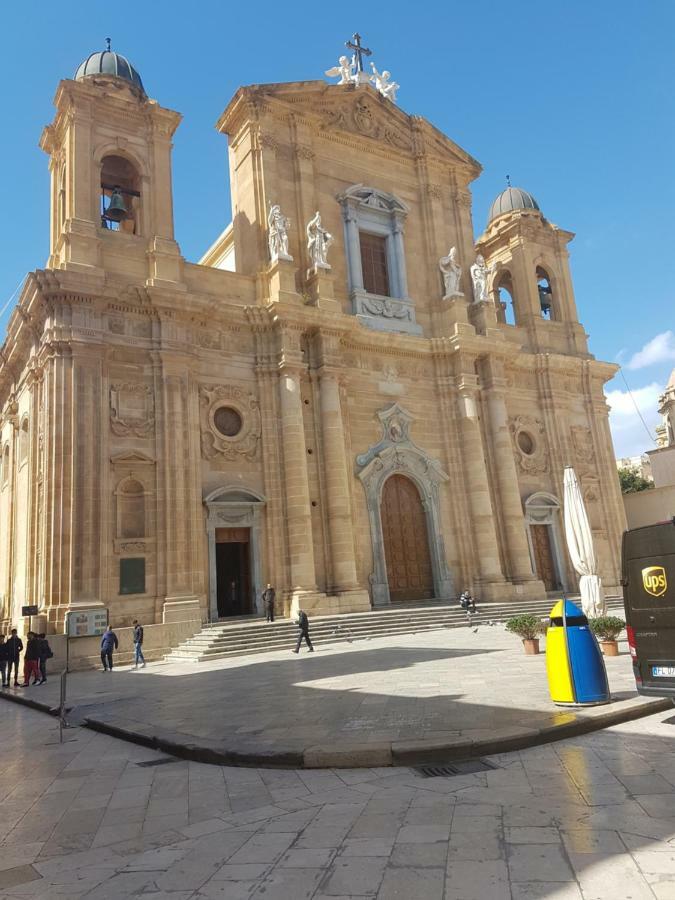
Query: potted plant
x,y
528,628
607,629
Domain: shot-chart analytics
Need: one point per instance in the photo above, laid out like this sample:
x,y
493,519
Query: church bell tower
x,y
110,162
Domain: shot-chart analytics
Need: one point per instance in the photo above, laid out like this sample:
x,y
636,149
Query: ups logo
x,y
654,580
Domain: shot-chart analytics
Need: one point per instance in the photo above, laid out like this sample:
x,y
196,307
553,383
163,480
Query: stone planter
x,y
531,646
610,648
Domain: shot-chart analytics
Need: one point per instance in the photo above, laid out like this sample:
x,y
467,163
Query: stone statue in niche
x,y
452,273
318,242
384,84
479,277
277,233
344,70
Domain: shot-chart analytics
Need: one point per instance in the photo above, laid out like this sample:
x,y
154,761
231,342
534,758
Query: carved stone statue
x,y
318,242
383,83
277,233
479,276
452,272
344,70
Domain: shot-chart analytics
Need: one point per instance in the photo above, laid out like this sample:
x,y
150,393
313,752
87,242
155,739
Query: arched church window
x,y
23,442
545,294
504,300
131,509
120,195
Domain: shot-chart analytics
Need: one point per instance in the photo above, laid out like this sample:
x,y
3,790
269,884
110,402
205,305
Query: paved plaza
x,y
96,817
369,703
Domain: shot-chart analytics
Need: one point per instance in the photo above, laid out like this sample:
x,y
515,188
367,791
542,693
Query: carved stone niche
x,y
132,410
230,423
529,444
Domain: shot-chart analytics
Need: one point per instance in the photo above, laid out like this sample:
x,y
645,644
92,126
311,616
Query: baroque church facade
x,y
175,435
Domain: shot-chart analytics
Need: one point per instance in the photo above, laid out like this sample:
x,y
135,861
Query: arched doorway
x,y
406,541
542,514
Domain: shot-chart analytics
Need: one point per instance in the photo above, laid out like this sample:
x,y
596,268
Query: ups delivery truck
x,y
648,563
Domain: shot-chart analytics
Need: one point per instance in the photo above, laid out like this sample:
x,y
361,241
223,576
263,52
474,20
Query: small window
x,y
374,264
132,576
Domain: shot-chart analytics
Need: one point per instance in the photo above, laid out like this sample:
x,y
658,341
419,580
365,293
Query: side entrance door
x,y
543,555
233,572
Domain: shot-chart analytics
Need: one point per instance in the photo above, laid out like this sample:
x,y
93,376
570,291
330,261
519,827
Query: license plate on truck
x,y
663,671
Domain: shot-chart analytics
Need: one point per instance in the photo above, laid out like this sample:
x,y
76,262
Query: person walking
x,y
4,661
109,644
31,660
268,598
45,654
14,648
303,631
139,659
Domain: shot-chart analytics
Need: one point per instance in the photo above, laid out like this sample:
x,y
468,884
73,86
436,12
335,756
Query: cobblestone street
x,y
590,818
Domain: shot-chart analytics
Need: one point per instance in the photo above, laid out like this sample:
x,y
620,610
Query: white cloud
x,y
660,349
628,432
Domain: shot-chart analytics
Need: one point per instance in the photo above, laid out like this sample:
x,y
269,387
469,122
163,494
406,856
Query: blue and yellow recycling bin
x,y
574,663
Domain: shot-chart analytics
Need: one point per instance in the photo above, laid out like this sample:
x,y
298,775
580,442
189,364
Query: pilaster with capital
x,y
510,508
298,513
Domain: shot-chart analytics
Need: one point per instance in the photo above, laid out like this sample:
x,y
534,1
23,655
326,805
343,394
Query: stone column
x,y
487,564
399,248
340,532
298,515
510,504
353,246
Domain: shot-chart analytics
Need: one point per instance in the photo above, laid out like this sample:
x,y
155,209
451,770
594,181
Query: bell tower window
x,y
120,195
374,264
545,294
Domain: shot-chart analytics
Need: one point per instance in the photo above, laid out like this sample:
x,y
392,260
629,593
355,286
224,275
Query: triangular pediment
x,y
356,111
135,457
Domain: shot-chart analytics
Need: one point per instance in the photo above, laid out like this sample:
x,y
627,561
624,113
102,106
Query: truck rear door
x,y
649,597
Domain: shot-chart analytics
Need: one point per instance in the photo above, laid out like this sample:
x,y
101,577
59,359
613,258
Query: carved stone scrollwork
x,y
132,410
390,309
230,423
529,444
582,442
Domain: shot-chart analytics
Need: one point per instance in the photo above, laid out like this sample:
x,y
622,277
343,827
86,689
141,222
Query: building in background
x,y
361,407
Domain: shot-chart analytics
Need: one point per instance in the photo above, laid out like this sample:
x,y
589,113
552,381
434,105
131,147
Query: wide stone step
x,y
271,637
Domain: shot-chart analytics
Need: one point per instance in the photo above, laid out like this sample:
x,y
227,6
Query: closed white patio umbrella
x,y
580,545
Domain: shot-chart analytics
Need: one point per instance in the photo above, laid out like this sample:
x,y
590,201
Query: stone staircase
x,y
246,636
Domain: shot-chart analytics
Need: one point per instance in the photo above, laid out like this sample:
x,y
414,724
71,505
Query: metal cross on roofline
x,y
359,51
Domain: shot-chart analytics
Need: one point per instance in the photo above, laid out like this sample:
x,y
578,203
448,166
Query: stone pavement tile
x,y
422,834
367,847
248,872
124,798
664,889
354,875
405,883
288,884
601,877
545,890
465,880
538,862
263,848
647,784
306,859
218,890
60,845
13,855
16,875
419,855
655,863
292,822
661,806
91,801
379,825
112,834
592,840
159,824
206,826
254,815
475,846
123,816
101,858
157,860
520,834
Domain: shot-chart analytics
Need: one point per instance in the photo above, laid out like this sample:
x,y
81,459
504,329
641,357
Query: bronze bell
x,y
116,210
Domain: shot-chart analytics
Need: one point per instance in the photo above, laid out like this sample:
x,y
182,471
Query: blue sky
x,y
573,99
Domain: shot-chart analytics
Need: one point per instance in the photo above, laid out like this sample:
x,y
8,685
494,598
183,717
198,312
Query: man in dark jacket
x,y
109,644
4,661
14,648
31,660
45,654
268,599
139,659
303,631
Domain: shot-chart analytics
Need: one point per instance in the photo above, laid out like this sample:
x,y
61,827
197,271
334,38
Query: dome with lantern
x,y
107,62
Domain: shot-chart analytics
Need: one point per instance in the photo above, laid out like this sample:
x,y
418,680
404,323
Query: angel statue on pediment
x,y
384,84
344,70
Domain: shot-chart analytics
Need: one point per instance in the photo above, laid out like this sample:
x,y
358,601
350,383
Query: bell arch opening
x,y
120,195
